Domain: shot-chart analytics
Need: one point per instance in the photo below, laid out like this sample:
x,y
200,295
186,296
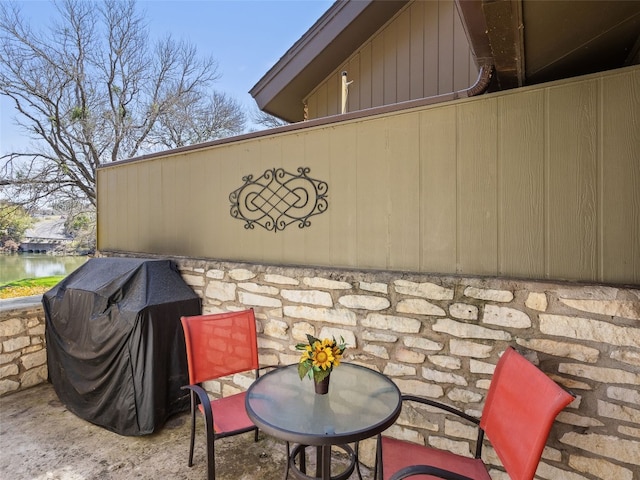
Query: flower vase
x,y
322,387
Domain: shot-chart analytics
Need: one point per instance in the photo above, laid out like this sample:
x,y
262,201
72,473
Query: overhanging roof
x,y
328,43
527,41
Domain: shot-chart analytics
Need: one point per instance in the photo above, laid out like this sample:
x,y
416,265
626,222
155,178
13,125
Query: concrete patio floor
x,y
41,440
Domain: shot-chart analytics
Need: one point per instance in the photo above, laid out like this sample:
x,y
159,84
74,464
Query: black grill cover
x,y
115,345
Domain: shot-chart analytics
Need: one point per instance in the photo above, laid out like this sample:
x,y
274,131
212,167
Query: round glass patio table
x,y
360,404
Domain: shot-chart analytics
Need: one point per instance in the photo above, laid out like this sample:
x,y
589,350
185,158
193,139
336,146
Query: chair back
x,y
520,408
220,344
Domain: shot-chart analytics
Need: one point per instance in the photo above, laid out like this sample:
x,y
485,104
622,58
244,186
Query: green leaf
x,y
303,369
319,375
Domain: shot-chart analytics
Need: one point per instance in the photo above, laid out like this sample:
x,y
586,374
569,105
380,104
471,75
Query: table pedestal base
x,y
323,463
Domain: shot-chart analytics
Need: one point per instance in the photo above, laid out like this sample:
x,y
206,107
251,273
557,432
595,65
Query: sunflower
x,y
319,356
323,356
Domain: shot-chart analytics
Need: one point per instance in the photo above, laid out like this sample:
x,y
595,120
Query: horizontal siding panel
x,y
620,170
541,182
521,184
477,188
438,160
572,173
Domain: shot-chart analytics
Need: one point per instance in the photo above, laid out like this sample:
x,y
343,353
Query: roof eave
x,y
319,51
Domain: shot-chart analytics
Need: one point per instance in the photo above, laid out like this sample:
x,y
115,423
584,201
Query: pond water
x,y
22,266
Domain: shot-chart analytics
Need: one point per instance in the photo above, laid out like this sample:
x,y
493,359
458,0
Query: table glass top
x,y
359,400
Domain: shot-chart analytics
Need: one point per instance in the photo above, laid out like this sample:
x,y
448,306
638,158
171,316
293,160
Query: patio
x,y
40,439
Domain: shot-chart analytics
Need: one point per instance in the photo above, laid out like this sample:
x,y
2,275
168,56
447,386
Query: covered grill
x,y
115,346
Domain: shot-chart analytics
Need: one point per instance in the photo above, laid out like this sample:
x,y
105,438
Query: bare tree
x,y
189,122
266,120
92,89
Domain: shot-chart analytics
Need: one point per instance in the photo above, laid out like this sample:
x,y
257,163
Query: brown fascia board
x,y
329,42
494,31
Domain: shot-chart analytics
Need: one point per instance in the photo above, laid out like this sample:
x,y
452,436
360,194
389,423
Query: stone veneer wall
x,y
23,357
441,336
437,336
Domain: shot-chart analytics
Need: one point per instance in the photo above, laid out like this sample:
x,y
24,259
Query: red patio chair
x,y
219,345
521,405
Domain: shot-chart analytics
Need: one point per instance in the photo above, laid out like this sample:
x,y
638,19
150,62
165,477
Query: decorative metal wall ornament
x,y
278,199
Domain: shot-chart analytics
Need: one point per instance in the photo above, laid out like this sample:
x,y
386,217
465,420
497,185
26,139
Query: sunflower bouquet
x,y
319,357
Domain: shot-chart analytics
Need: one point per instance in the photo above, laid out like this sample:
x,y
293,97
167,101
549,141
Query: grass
x,y
29,286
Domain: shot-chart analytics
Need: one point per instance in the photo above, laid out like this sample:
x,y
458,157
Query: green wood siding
x,y
541,182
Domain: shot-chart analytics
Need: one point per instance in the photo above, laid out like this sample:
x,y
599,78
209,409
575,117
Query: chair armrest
x,y
441,406
427,470
205,401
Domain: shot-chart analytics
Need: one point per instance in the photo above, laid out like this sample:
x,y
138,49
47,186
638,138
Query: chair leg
x,y
357,451
193,429
286,468
211,457
377,469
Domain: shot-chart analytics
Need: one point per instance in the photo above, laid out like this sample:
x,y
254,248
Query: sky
x,y
245,37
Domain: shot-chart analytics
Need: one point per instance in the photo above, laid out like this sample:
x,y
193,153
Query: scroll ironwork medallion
x,y
278,199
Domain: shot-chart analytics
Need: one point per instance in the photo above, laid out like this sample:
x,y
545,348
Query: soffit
x,y
534,41
527,42
328,43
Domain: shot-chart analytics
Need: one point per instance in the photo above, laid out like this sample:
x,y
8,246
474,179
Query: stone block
x,y
280,279
600,374
422,343
579,328
255,300
615,448
392,323
34,359
578,420
376,350
445,361
466,348
453,446
255,288
439,377
419,306
392,369
463,396
8,386
463,311
505,317
9,370
340,316
340,333
465,330
35,376
215,274
312,297
420,388
600,468
319,282
622,413
489,294
364,302
573,350
458,429
374,287
627,395
12,327
537,301
14,344
426,290
223,291
610,308
241,274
